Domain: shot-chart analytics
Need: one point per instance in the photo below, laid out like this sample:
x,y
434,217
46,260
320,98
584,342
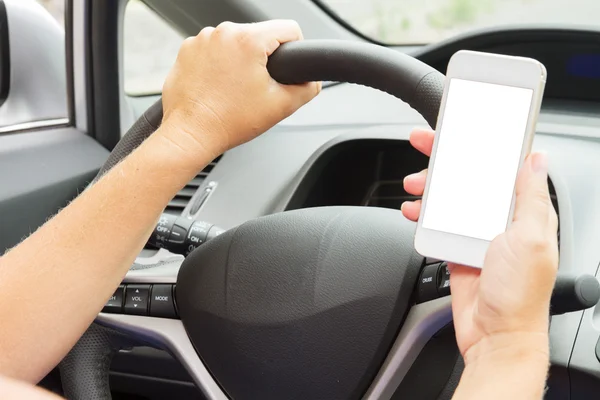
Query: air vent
x,y
387,194
182,198
391,194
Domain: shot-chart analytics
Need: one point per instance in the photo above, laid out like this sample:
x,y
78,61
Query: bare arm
x,y
514,367
11,389
218,95
55,282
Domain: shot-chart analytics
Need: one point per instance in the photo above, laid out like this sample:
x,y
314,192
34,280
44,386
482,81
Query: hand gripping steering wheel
x,y
307,304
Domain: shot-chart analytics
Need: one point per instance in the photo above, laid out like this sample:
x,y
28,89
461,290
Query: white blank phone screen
x,y
477,159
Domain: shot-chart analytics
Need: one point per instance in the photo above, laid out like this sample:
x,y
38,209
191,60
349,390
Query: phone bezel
x,y
489,68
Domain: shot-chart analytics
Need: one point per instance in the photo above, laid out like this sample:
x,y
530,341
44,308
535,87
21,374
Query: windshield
x,y
426,21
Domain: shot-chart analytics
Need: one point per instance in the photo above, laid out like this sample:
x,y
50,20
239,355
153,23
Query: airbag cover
x,y
300,305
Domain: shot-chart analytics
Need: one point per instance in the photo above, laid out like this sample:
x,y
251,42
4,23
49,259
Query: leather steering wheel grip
x,y
84,371
378,67
139,131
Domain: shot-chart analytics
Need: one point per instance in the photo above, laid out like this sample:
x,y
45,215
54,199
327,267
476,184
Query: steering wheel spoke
x,y
423,321
167,334
170,335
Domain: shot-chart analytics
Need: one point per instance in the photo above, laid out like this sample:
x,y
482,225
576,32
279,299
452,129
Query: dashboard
x,y
349,147
572,58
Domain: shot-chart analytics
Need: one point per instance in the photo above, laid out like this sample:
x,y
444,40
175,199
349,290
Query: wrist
x,y
170,165
192,142
508,347
505,366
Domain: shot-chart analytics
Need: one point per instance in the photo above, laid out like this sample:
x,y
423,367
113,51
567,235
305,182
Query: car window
x,y
150,49
420,22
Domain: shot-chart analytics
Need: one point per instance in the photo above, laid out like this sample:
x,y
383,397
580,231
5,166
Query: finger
x,y
464,284
415,183
300,94
462,270
206,32
532,194
411,209
275,32
422,140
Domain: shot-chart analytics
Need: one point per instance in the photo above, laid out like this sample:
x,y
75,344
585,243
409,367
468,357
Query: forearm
x,y
517,371
15,390
71,265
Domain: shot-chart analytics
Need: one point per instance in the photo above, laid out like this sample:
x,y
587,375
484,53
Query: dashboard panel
x,y
572,58
349,147
364,172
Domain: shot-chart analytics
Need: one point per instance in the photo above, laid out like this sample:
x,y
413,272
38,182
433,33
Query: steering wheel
x,y
308,304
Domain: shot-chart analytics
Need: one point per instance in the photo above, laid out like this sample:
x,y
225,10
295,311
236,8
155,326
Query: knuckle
x,y
225,27
206,32
319,88
188,43
294,25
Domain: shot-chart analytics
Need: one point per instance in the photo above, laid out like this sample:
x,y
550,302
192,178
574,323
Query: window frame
x,y
348,26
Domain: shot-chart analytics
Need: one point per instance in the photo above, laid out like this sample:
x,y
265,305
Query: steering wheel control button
x,y
181,235
162,231
178,234
115,303
197,235
443,280
161,302
427,285
136,299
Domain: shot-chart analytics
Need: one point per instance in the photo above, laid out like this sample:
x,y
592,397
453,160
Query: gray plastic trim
x,y
422,322
171,336
41,171
161,267
79,64
27,126
165,272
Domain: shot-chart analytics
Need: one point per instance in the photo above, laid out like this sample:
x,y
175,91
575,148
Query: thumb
x,y
299,94
532,195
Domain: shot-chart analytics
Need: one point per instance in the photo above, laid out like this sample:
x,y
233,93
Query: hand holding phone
x,y
485,129
501,312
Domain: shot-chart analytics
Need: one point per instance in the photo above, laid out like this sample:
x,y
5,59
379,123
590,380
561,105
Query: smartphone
x,y
484,132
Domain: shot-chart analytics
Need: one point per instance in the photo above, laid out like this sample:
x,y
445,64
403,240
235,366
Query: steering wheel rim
x,y
381,68
377,67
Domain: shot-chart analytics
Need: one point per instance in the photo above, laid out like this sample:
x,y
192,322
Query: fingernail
x,y
539,163
407,178
416,175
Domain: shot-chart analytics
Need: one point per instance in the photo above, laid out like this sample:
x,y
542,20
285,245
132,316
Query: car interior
x,y
297,278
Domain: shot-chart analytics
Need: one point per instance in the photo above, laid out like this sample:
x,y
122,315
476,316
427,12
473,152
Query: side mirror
x,y
4,54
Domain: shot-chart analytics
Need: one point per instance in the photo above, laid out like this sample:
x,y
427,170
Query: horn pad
x,y
300,305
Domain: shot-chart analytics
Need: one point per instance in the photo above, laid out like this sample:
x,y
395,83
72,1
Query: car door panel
x,y
40,172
